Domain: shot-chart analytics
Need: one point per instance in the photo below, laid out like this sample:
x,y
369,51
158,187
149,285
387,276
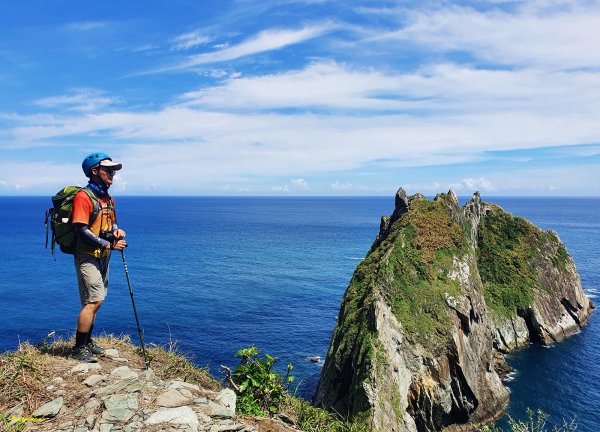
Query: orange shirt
x,y
82,209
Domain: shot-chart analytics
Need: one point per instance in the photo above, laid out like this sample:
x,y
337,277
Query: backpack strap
x,y
95,203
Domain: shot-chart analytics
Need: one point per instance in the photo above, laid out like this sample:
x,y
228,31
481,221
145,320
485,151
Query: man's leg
x,y
92,291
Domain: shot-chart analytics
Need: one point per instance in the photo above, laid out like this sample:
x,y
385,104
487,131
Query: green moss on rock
x,y
418,256
511,253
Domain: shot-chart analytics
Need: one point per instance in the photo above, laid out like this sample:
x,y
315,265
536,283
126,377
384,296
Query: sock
x,y
81,339
89,338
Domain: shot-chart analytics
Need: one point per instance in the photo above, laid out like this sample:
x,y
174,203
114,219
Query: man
x,y
97,233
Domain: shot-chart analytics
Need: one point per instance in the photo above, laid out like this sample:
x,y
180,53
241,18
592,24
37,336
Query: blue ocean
x,y
218,274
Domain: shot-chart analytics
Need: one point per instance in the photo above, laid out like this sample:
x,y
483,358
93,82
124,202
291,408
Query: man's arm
x,y
84,233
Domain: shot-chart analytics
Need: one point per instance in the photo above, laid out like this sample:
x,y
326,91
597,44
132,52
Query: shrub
x,y
260,390
535,422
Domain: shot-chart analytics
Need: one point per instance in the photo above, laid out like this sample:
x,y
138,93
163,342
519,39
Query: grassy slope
x,y
510,251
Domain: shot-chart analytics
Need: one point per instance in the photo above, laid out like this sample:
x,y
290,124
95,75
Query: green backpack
x,y
60,216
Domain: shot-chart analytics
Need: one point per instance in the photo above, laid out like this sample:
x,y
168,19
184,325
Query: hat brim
x,y
110,164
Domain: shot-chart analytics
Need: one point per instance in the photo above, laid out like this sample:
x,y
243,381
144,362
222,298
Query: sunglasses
x,y
109,171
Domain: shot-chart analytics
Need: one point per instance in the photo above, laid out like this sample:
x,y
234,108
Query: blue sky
x,y
302,97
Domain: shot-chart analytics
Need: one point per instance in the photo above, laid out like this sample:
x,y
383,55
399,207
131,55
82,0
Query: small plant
x,y
13,424
260,390
535,422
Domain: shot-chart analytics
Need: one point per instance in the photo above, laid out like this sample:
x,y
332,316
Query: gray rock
x,y
181,415
128,385
92,380
49,409
227,427
16,411
92,405
227,398
123,372
215,409
116,415
135,426
172,398
66,424
181,384
149,375
106,427
111,353
401,204
118,401
85,367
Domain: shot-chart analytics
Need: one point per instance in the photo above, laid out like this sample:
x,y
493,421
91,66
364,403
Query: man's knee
x,y
94,306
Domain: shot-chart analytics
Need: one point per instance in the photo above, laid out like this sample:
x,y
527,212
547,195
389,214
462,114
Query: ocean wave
x,y
355,258
510,376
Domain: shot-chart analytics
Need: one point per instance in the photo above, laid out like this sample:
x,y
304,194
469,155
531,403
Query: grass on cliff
x,y
510,251
534,422
26,372
419,254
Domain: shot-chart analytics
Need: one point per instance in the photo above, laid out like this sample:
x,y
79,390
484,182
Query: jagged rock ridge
x,y
442,291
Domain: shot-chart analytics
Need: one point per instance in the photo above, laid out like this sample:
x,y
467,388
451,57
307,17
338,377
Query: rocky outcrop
x,y
416,343
533,290
115,395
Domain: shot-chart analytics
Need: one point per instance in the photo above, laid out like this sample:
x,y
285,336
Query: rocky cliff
x,y
42,389
441,292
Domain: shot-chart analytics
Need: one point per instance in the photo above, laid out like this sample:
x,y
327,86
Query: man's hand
x,y
119,234
119,245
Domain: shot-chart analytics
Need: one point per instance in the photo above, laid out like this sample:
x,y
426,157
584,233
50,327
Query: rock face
x,y
128,399
441,291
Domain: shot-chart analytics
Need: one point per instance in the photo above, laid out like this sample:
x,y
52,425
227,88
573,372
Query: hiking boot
x,y
94,348
83,354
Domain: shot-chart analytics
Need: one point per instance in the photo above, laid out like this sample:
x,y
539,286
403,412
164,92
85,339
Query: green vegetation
x,y
511,250
504,259
260,390
13,424
312,419
535,422
421,248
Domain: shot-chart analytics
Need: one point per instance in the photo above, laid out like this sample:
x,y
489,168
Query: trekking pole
x,y
137,321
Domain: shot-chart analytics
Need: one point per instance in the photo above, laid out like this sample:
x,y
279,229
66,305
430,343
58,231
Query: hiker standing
x,y
97,234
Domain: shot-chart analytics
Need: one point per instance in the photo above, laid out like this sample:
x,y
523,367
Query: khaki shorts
x,y
92,277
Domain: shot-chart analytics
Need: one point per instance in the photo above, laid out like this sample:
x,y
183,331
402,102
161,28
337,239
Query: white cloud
x,y
561,36
300,183
470,184
267,40
85,26
79,99
190,40
338,186
445,87
284,188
